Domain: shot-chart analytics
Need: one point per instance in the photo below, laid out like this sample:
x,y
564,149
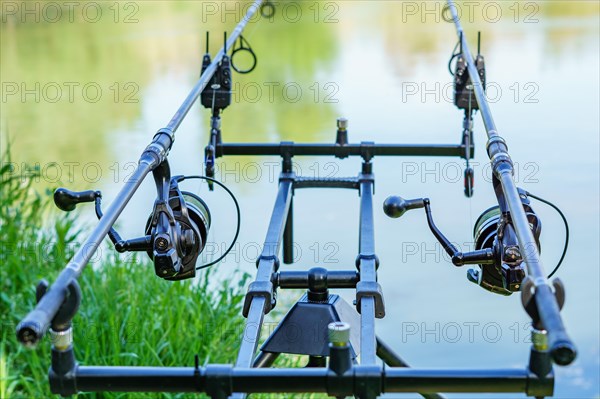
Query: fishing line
x,y
239,217
566,246
452,57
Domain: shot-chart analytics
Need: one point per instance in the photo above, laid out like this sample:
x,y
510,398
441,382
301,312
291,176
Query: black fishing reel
x,y
176,230
493,230
497,252
176,233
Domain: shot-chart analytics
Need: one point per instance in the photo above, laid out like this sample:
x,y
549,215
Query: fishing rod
x,y
562,349
153,159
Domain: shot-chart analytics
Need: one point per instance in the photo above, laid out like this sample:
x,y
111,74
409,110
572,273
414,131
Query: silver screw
x,y
512,253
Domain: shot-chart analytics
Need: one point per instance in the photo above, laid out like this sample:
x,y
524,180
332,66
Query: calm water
x,y
83,93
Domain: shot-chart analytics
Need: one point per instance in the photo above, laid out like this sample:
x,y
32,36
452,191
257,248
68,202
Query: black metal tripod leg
x,y
265,359
388,356
392,359
288,236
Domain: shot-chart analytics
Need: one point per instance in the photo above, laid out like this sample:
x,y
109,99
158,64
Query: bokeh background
x,y
85,86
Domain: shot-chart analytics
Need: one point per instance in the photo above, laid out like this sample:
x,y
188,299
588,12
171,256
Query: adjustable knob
x,y
317,285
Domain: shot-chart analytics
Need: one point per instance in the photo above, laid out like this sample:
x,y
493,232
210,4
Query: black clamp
x,y
287,176
317,285
218,380
368,381
371,289
528,299
66,312
273,258
262,289
366,176
63,367
286,150
62,373
366,150
361,257
366,173
541,378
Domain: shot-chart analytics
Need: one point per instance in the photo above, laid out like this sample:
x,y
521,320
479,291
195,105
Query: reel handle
x,y
66,200
395,206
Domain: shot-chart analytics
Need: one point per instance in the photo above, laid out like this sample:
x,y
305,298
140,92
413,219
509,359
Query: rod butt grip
x,y
563,351
32,328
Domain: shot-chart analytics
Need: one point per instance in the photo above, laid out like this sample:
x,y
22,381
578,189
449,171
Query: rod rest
x,y
327,182
299,279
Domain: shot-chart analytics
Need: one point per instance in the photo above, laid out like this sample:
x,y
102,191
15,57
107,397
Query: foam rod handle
x,y
66,199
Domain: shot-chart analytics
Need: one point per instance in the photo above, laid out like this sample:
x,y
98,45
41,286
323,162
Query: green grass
x,y
128,316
